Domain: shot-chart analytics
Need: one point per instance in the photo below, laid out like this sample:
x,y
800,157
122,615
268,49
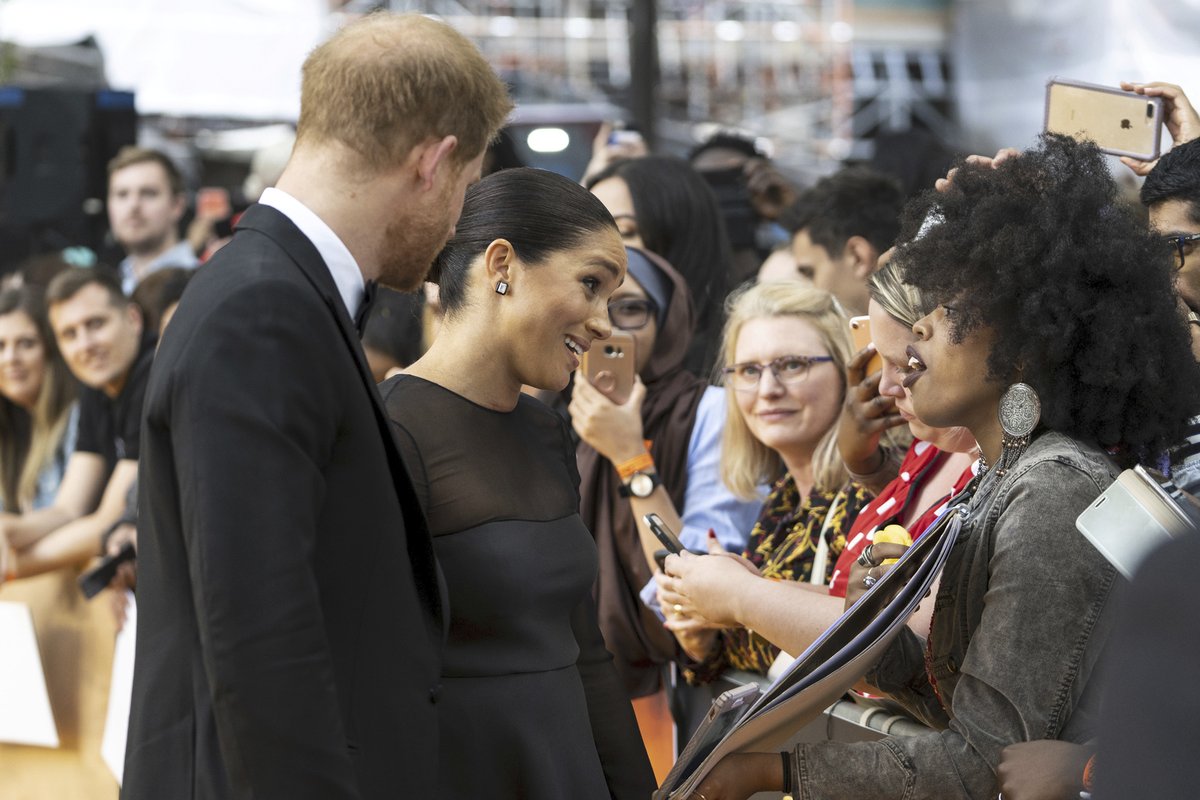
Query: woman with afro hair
x,y
1048,291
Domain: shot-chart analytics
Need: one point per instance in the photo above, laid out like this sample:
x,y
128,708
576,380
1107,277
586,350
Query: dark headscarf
x,y
636,637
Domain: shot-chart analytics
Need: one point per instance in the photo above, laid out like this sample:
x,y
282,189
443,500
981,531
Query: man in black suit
x,y
290,617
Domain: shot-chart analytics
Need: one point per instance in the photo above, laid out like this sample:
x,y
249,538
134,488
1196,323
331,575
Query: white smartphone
x,y
1132,518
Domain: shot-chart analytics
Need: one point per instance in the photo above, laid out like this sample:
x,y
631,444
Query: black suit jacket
x,y
289,608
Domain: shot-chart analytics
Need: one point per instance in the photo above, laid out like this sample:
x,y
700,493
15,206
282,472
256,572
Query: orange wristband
x,y
1089,772
639,463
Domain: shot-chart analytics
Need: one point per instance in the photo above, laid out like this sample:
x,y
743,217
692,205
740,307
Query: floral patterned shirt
x,y
783,545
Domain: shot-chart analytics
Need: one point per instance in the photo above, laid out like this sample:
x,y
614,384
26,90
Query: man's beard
x,y
409,250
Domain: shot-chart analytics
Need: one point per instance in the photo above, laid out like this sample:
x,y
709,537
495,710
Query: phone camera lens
x,y
1149,110
609,350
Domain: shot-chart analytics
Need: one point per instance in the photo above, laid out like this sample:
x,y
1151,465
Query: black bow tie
x,y
364,308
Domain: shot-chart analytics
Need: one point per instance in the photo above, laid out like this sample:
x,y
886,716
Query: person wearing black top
x,y
100,335
532,707
290,612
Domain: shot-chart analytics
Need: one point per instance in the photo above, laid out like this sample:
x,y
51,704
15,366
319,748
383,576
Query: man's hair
x,y
855,201
387,82
1176,176
129,155
158,291
69,283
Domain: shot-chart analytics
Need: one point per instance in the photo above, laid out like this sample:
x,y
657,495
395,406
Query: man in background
x,y
146,200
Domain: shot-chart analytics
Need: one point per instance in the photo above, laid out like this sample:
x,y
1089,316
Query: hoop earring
x,y
502,287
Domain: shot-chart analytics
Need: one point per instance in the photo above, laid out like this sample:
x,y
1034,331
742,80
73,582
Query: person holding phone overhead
x,y
531,706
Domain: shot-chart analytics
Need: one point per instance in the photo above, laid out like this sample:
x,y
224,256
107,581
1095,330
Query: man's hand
x,y
1042,770
615,431
1183,123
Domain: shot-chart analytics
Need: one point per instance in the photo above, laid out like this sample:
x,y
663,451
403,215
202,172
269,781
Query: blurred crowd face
x,y
614,194
558,307
837,275
411,244
790,418
98,340
781,266
22,359
142,211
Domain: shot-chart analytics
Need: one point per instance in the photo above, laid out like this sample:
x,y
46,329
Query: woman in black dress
x,y
531,706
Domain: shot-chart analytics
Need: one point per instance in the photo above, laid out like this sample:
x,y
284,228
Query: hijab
x,y
636,637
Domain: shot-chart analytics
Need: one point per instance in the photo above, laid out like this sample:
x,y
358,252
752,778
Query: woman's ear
x,y
498,261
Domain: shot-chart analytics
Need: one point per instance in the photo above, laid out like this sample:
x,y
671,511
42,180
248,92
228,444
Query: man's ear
x,y
133,312
861,256
434,155
178,207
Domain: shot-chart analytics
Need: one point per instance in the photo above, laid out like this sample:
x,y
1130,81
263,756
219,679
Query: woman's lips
x,y
916,365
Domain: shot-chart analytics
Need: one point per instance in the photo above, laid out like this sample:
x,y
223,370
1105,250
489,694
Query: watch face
x,y
641,485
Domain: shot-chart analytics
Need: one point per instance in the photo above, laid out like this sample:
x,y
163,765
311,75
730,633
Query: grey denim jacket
x,y
1020,622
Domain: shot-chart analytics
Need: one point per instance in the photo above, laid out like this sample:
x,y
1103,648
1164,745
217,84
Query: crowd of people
x,y
396,544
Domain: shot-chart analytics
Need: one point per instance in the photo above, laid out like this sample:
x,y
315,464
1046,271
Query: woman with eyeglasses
x,y
786,347
656,453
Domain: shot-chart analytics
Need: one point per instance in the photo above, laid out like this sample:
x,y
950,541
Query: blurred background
x,y
814,83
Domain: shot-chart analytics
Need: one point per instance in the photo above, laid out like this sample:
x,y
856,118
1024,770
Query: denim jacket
x,y
1020,622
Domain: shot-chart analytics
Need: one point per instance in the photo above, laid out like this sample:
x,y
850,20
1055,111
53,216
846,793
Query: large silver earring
x,y
1020,412
502,287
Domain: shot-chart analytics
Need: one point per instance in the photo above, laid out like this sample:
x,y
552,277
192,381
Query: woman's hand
x,y
866,414
1042,770
1183,123
605,152
705,586
856,585
739,775
1002,155
615,431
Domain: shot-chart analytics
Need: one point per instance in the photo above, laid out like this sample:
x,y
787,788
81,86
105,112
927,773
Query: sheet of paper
x,y
116,725
25,715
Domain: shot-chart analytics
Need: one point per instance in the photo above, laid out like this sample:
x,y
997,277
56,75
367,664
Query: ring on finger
x,y
870,580
678,609
867,557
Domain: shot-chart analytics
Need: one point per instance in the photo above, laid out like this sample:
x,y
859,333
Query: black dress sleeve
x,y
614,728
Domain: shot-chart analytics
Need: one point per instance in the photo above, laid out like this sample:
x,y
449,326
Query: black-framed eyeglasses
x,y
1183,244
631,313
744,377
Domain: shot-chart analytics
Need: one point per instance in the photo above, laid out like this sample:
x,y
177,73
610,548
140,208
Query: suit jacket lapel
x,y
273,224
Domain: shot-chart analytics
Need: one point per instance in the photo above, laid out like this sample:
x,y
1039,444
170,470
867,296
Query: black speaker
x,y
55,145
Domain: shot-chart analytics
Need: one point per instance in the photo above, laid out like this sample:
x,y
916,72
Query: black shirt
x,y
110,426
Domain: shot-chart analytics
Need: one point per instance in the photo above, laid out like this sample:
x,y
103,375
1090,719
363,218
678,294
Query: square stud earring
x,y
502,287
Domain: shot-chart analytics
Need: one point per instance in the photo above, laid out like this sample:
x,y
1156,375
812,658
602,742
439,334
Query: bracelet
x,y
642,462
1089,773
787,774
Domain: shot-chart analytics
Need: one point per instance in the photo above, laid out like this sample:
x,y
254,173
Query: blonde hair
x,y
746,463
899,300
387,82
